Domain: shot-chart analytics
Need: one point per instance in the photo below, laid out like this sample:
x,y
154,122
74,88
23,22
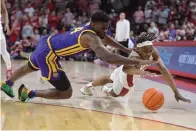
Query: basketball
x,y
153,99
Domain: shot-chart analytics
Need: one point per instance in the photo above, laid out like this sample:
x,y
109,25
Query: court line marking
x,y
106,113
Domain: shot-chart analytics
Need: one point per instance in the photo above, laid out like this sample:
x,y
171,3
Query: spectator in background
x,y
27,30
192,6
153,29
51,5
37,35
155,14
150,4
84,17
122,32
94,5
15,30
139,16
148,15
162,18
44,33
53,20
29,10
43,22
172,32
177,25
18,13
68,17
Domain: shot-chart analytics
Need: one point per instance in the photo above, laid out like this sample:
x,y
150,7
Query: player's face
x,y
146,52
100,28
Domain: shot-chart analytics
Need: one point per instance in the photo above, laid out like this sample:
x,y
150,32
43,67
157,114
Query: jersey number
x,y
77,29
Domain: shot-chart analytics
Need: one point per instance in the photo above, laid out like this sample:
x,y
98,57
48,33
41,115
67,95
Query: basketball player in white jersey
x,y
3,51
124,77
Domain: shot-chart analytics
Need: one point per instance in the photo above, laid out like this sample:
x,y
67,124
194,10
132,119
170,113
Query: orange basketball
x,y
153,99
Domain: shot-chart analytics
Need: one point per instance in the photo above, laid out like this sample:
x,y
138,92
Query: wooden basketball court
x,y
96,112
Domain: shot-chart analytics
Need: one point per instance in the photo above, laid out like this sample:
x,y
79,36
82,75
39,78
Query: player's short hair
x,y
100,16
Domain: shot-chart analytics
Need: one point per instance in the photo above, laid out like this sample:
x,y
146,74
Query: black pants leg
x,y
125,44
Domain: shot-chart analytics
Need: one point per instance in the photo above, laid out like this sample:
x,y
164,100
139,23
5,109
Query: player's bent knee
x,y
63,85
66,94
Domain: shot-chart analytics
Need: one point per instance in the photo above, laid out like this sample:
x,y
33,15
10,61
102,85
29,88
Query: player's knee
x,y
66,94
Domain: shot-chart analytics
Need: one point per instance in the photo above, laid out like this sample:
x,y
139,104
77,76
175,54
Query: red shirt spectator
x,y
51,5
53,20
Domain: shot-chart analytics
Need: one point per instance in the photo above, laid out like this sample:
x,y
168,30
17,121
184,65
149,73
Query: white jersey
x,y
122,82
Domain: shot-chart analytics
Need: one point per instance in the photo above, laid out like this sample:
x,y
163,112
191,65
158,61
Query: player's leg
x,y
6,57
119,79
7,85
51,70
101,81
62,90
22,71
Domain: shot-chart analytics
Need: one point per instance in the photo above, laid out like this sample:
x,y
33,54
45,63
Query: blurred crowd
x,y
30,20
173,21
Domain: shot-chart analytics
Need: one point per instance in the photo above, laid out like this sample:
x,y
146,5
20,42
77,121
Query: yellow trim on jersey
x,y
52,65
48,42
81,35
57,64
76,48
49,68
65,49
37,68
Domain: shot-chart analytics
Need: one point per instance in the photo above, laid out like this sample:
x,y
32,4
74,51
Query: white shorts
x,y
122,82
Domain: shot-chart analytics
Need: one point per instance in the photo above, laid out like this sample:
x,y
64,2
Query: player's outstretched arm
x,y
110,41
96,45
168,77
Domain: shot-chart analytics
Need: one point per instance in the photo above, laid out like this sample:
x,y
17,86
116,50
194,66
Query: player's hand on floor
x,y
179,97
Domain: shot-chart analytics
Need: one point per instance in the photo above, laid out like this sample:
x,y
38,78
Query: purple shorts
x,y
45,60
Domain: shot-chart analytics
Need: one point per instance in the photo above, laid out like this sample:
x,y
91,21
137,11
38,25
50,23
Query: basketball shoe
x,y
23,93
87,90
7,89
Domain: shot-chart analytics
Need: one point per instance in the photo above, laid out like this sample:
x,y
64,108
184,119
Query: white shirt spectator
x,y
27,30
122,30
30,10
43,21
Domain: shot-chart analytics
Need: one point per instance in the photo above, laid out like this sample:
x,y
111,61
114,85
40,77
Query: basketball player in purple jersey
x,y
49,48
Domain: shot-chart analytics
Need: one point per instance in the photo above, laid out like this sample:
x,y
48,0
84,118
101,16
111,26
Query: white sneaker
x,y
86,90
